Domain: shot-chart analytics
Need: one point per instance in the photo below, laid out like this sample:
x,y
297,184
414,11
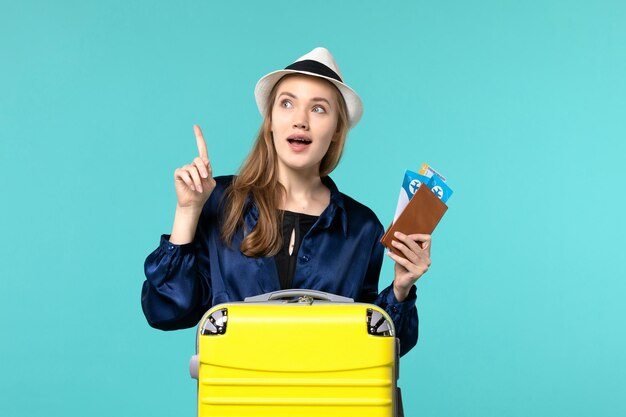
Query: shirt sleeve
x,y
174,291
403,314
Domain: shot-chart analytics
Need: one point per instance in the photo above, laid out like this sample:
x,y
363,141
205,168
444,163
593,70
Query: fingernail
x,y
396,234
192,188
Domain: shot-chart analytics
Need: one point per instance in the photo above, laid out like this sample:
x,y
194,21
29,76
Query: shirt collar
x,y
336,208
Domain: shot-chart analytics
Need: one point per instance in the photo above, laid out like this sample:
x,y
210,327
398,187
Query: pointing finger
x,y
202,151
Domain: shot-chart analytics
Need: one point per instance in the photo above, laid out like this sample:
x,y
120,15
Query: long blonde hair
x,y
258,178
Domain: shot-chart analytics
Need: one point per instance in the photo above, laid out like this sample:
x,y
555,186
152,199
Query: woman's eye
x,y
319,109
286,104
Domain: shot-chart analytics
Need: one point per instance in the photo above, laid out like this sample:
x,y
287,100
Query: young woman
x,y
281,223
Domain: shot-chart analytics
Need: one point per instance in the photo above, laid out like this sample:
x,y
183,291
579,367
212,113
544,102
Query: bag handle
x,y
317,295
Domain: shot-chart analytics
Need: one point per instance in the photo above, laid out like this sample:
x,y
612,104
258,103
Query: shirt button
x,y
170,247
304,258
394,309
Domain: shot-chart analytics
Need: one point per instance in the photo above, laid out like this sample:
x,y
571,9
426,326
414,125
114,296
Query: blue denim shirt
x,y
341,254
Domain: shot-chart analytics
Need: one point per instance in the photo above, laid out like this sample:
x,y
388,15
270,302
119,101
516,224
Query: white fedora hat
x,y
318,63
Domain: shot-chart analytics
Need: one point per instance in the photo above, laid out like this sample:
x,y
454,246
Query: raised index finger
x,y
202,151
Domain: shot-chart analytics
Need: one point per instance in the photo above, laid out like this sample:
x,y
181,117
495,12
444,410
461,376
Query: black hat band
x,y
315,67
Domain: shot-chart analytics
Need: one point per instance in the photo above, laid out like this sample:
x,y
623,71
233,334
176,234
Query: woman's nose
x,y
301,121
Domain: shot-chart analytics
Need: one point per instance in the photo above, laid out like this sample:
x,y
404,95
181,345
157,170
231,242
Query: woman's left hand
x,y
416,249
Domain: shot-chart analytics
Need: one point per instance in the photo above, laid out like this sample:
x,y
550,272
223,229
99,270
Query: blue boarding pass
x,y
439,187
412,181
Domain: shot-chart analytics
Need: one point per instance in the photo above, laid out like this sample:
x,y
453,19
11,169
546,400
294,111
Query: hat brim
x,y
264,87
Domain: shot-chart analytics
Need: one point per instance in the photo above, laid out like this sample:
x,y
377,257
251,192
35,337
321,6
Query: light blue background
x,y
522,105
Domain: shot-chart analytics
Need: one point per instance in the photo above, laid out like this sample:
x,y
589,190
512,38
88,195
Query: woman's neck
x,y
304,194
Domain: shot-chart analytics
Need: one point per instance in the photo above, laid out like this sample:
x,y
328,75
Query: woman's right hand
x,y
194,182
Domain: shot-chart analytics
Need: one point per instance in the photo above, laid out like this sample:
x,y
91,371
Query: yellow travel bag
x,y
296,353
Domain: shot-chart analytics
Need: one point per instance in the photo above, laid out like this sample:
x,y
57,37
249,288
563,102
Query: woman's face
x,y
304,123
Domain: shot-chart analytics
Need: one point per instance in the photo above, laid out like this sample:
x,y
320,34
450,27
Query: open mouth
x,y
299,141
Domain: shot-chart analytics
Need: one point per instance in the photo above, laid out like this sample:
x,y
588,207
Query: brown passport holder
x,y
421,215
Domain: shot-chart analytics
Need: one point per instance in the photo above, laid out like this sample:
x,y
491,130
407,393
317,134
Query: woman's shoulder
x,y
359,212
222,182
356,212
